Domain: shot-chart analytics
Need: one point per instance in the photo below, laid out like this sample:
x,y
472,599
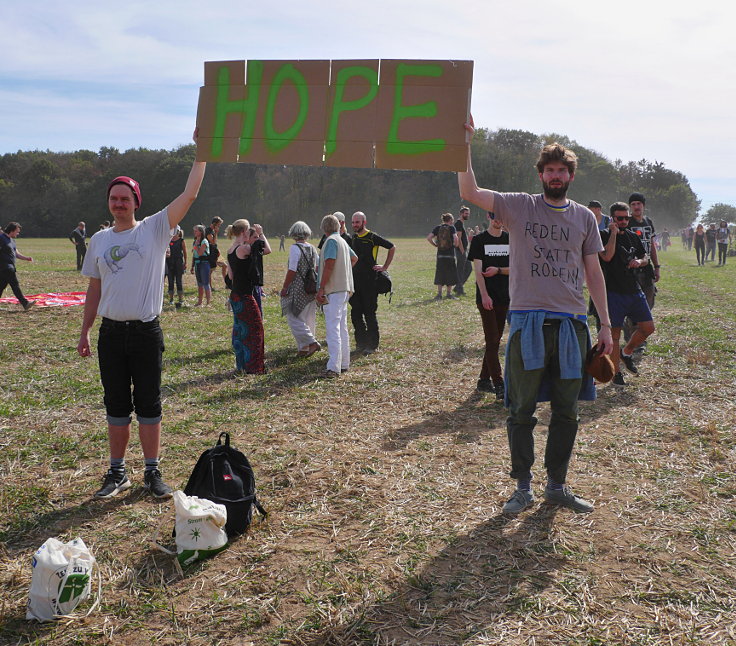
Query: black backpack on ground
x,y
224,476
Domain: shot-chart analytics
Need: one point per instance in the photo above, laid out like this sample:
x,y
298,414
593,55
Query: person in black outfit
x,y
364,301
489,253
8,254
622,255
259,248
78,237
699,243
463,266
211,232
176,262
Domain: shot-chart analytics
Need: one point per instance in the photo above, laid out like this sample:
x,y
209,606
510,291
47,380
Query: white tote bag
x,y
62,579
200,528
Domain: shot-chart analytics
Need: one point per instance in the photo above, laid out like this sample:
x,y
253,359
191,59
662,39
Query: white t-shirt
x,y
130,265
295,254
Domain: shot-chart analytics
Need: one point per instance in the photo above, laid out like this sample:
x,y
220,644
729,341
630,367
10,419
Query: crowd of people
x,y
529,264
706,240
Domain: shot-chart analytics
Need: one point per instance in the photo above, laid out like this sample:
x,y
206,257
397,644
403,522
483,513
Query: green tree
x,y
718,212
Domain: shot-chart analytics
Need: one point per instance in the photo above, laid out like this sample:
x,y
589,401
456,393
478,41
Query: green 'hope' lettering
x,y
426,110
276,141
340,105
248,107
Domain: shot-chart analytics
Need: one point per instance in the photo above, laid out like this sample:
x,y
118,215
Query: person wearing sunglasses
x,y
622,255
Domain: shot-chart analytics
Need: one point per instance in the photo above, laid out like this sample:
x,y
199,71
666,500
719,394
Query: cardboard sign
x,y
336,113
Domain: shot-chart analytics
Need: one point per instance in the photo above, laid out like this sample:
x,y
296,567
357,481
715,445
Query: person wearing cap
x,y
343,232
8,255
553,247
643,226
125,267
624,253
79,238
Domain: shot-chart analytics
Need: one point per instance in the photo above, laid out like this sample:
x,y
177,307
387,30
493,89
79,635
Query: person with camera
x,y
622,255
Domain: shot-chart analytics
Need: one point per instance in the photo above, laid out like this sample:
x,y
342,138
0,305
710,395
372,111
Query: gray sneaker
x,y
113,484
153,481
518,502
567,498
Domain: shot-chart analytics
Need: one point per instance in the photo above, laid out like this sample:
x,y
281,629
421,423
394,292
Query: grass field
x,y
385,486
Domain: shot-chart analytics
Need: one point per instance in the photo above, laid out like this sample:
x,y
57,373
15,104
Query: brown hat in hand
x,y
599,365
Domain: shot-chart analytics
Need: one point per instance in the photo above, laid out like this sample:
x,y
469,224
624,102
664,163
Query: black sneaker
x,y
499,389
618,379
113,484
485,386
153,481
629,362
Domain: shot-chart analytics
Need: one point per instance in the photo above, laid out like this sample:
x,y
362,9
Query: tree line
x,y
49,192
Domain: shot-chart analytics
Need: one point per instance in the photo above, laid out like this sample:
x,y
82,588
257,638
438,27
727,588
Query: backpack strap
x,y
259,507
308,260
227,439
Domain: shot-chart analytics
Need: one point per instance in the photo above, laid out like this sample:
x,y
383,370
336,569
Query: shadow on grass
x,y
33,530
284,372
473,416
459,593
416,303
477,413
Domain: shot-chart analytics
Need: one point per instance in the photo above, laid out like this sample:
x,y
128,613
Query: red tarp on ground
x,y
52,299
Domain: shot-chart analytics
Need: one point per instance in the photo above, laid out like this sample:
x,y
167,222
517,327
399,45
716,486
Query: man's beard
x,y
556,192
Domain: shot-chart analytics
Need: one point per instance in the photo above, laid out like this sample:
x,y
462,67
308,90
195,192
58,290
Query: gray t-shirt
x,y
130,265
547,245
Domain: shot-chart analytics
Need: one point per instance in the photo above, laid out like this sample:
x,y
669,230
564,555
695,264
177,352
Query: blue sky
x,y
632,80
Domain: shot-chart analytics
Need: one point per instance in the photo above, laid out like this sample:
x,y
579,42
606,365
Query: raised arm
x,y
469,189
261,235
179,207
610,249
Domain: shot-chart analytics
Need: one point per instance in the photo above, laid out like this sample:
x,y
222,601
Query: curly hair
x,y
557,153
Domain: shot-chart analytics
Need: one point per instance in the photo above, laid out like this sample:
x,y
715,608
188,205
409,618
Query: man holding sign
x,y
554,243
125,267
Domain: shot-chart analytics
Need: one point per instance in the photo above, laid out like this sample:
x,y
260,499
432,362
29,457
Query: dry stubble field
x,y
384,487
